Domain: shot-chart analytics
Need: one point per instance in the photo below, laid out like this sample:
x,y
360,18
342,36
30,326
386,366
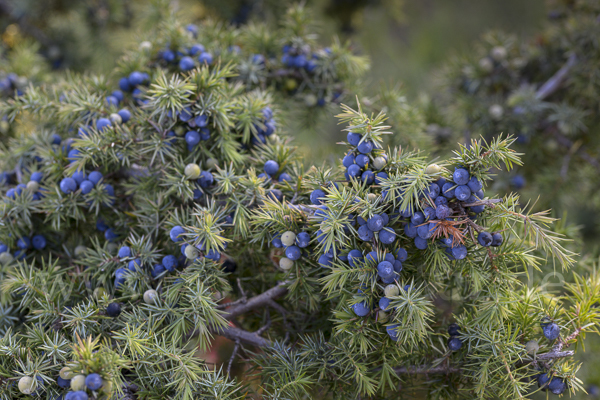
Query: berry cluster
x,y
271,173
33,186
454,343
301,57
358,161
133,83
109,233
265,128
85,182
24,243
444,199
186,58
193,252
13,84
80,384
292,244
203,179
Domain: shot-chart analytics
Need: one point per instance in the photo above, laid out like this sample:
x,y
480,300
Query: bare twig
x,y
233,354
257,301
488,202
424,369
556,80
235,334
568,143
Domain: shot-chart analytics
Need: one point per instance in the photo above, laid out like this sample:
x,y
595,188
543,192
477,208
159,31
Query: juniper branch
x,y
424,370
257,301
237,334
552,84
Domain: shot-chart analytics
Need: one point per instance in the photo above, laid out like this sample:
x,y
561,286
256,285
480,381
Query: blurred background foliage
x,y
417,50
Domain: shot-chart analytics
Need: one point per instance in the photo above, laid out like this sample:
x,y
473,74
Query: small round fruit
x,y
361,309
93,381
6,258
65,373
497,239
288,238
532,347
454,343
433,169
485,239
293,253
496,112
33,186
379,162
192,253
499,53
99,293
192,171
486,64
557,386
211,163
113,310
78,382
107,386
285,263
79,250
453,329
391,291
551,331
116,119
382,317
26,385
150,296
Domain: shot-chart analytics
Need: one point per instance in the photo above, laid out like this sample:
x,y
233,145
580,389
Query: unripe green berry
x,y
150,296
65,373
372,197
499,53
145,45
192,253
532,347
115,119
78,382
310,100
6,258
179,131
211,163
391,290
285,263
382,317
106,386
4,126
288,238
33,186
99,293
112,248
379,162
486,64
291,84
79,250
496,111
26,385
192,171
433,169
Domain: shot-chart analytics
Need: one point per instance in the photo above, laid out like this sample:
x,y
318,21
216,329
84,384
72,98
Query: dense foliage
x,y
146,213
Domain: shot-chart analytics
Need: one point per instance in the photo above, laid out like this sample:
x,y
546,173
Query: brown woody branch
x,y
259,301
424,370
556,80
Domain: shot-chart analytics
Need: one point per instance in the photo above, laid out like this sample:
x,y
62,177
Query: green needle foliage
x,y
134,231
